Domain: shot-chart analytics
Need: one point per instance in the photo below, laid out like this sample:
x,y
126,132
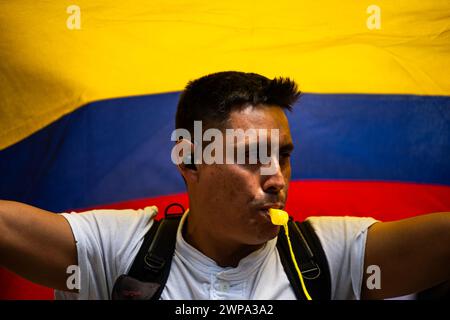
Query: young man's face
x,y
235,198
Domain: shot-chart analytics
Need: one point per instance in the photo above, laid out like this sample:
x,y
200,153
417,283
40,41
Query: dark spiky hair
x,y
211,98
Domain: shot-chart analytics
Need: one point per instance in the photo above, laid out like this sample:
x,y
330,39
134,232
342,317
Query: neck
x,y
225,252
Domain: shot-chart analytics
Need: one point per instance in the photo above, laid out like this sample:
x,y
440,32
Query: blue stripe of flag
x,y
119,149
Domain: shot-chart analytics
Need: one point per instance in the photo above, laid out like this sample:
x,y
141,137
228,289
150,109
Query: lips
x,y
264,210
276,205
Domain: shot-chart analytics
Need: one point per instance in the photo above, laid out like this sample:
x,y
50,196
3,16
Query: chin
x,y
276,230
266,235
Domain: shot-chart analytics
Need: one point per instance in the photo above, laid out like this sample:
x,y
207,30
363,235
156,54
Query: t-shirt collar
x,y
198,260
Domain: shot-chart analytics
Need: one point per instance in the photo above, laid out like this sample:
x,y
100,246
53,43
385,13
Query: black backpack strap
x,y
311,260
151,266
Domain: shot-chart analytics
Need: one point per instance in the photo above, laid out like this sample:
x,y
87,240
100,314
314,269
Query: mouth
x,y
275,205
264,210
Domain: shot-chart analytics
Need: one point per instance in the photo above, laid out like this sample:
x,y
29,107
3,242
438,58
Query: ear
x,y
187,168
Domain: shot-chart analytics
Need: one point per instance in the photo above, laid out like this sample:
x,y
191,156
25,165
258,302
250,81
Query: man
x,y
225,246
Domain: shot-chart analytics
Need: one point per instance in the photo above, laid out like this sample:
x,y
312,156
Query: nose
x,y
274,182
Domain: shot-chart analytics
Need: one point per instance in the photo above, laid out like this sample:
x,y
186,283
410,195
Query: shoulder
x,y
113,219
332,226
107,242
114,229
343,240
340,236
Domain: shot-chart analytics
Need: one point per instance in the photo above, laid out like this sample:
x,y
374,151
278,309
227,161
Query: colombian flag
x,y
88,91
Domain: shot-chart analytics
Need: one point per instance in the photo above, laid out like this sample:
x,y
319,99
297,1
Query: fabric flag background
x,y
88,91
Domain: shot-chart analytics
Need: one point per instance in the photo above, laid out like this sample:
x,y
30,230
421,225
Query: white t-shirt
x,y
108,241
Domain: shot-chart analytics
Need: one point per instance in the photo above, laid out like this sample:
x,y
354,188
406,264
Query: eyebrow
x,y
287,147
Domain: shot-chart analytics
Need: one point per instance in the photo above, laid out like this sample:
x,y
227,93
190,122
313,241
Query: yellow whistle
x,y
278,217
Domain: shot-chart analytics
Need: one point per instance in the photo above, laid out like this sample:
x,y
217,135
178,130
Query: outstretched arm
x,y
412,254
36,244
